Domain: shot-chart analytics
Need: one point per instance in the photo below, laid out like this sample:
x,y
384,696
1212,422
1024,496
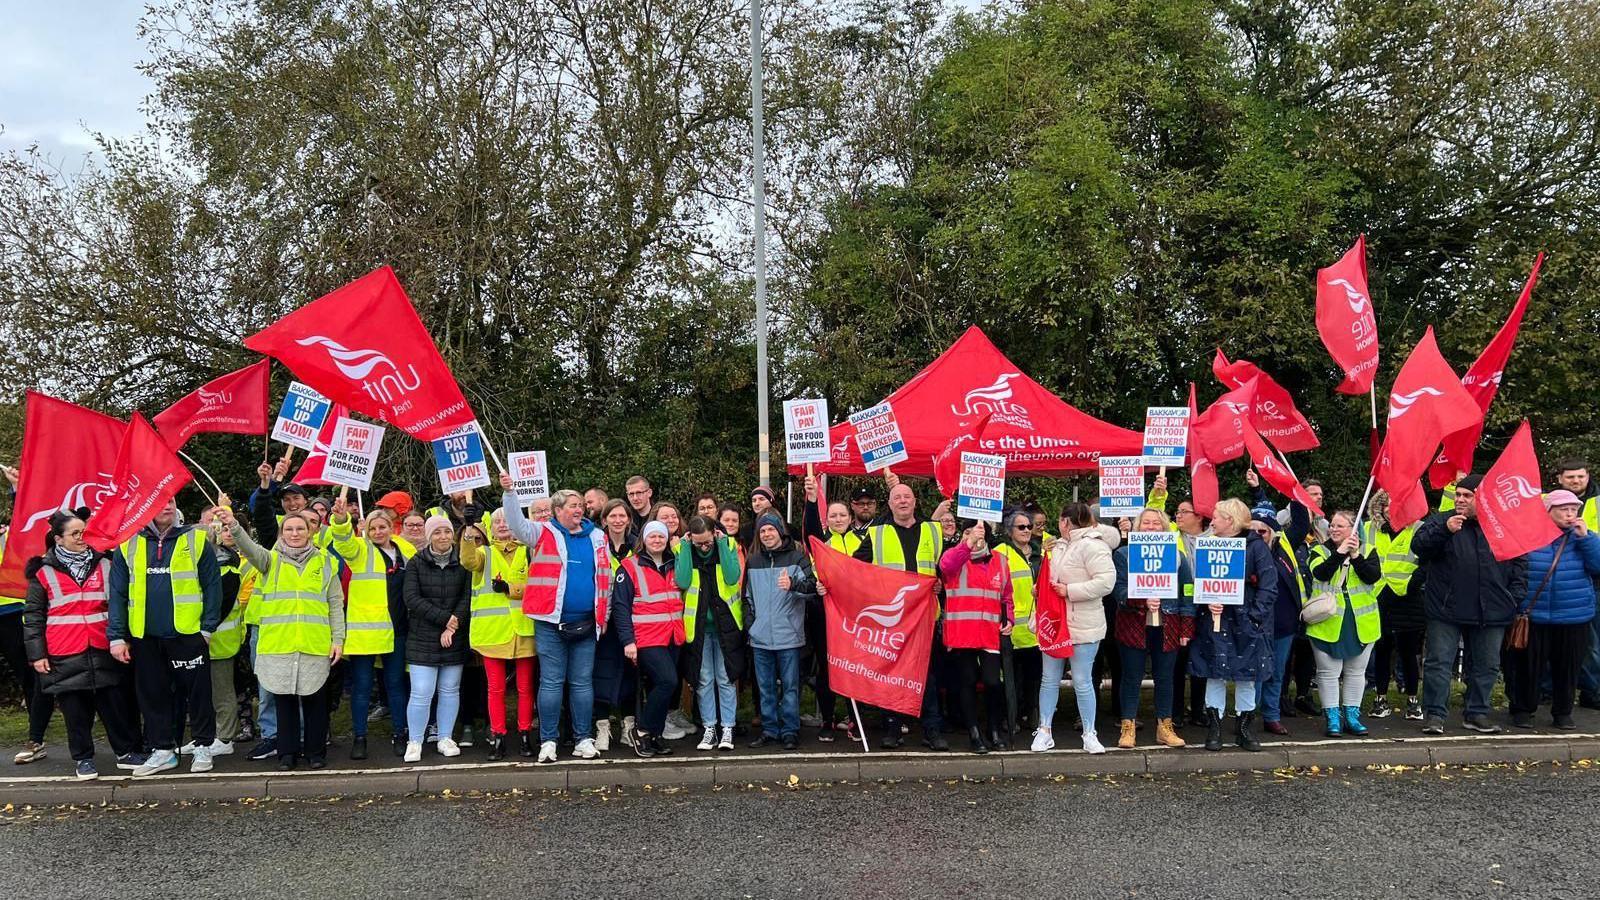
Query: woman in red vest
x,y
64,630
647,608
977,611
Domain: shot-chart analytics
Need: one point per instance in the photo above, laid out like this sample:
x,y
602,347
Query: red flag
x,y
1482,381
68,456
1050,622
236,403
364,346
148,474
310,472
947,463
1276,473
1221,428
1408,505
1274,416
880,630
1427,403
1510,504
1202,471
1346,321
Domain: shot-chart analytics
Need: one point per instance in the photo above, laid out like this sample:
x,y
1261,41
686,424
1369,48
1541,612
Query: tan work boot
x,y
1125,739
1166,735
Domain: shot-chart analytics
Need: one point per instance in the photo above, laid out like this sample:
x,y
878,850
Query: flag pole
x,y
493,453
860,728
202,471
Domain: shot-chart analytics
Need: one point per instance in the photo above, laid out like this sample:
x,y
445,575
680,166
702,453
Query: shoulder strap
x,y
1549,574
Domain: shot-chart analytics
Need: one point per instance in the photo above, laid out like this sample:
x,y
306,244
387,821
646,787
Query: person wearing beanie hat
x,y
1560,607
1468,596
1291,585
438,591
778,584
648,609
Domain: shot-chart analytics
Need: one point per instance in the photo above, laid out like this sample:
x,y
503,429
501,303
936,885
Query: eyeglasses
x,y
638,493
1022,528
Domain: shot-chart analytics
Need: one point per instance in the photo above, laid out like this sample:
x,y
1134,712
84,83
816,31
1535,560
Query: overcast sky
x,y
66,67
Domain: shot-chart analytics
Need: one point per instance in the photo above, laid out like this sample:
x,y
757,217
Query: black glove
x,y
500,586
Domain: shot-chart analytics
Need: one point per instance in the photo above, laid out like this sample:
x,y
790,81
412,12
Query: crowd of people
x,y
631,621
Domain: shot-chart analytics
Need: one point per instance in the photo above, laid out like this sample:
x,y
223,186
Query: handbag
x,y
1324,605
1517,634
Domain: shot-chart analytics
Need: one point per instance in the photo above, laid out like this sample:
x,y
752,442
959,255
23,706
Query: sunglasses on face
x,y
1022,528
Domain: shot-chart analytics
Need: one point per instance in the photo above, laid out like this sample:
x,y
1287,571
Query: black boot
x,y
358,748
399,744
976,737
1246,739
999,740
661,747
497,746
1213,729
935,741
526,748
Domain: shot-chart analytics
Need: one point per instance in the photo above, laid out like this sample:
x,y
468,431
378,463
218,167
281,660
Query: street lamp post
x,y
758,191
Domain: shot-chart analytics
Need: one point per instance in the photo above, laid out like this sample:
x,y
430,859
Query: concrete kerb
x,y
460,778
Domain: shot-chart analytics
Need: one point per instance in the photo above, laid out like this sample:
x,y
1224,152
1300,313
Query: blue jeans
x,y
1481,666
362,675
719,703
1271,687
1082,666
1589,674
1161,670
424,681
267,708
1244,696
780,713
565,666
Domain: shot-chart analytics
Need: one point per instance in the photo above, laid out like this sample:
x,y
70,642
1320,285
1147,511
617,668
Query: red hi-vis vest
x,y
657,606
77,617
972,611
547,578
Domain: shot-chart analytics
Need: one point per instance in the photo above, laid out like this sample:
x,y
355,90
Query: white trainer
x,y
708,740
675,731
448,747
202,760
1042,740
1091,743
547,752
186,749
627,731
727,738
585,749
413,751
220,747
602,735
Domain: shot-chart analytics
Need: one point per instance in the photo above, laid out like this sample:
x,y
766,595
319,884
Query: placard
x,y
1218,570
878,438
1152,565
530,478
459,458
301,417
1166,435
353,453
1121,487
982,491
805,431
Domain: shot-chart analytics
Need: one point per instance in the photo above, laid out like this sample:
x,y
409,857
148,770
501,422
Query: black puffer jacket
x,y
93,668
1465,584
434,594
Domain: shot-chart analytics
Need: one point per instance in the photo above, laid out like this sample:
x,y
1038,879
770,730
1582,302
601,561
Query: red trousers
x,y
494,671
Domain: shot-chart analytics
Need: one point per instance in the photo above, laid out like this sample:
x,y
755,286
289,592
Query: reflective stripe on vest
x,y
541,599
1359,599
1022,587
228,637
729,593
658,607
294,614
187,599
369,630
888,552
77,614
497,617
972,614
1399,563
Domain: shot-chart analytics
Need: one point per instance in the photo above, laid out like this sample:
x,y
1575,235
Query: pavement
x,y
1393,742
1460,833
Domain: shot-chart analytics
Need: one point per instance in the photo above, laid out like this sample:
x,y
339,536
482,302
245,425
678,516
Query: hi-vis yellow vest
x,y
1356,599
1399,563
368,630
229,635
1022,587
847,543
887,551
187,600
729,593
293,608
496,617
